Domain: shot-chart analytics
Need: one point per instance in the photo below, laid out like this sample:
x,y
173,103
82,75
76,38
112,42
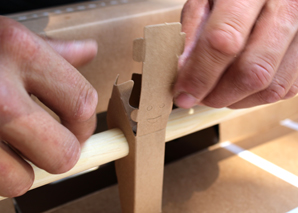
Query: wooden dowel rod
x,y
99,149
184,122
111,145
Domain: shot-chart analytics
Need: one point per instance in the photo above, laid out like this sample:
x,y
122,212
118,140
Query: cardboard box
x,y
114,26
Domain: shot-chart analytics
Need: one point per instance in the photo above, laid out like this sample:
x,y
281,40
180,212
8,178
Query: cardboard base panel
x,y
217,180
257,121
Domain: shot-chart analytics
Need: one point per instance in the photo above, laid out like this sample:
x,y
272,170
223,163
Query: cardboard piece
x,y
7,206
140,174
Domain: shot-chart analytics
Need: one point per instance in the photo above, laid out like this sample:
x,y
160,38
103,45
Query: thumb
x,y
77,53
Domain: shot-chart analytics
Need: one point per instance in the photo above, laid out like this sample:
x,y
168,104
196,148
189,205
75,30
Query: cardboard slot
x,y
134,100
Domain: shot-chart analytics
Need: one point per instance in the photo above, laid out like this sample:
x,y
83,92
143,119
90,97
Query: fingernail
x,y
84,43
185,100
79,43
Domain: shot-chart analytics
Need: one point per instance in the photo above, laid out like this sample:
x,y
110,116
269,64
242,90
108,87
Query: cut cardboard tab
x,y
140,174
138,50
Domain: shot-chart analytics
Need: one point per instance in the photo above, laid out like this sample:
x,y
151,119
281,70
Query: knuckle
x,y
254,77
225,40
86,104
273,93
292,92
17,40
194,82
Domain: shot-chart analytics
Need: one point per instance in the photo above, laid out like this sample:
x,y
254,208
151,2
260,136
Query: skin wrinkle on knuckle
x,y
273,93
198,80
86,104
253,78
201,75
225,40
293,91
209,58
194,79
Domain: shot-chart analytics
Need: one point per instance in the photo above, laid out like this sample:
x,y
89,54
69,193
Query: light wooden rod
x,y
111,145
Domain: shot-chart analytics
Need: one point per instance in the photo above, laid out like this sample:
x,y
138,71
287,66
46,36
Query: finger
x,y
77,53
283,81
223,37
33,132
194,15
54,81
293,90
251,101
16,176
257,65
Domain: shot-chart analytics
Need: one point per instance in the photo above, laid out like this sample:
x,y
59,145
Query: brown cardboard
x,y
162,45
6,206
257,121
113,26
140,174
218,181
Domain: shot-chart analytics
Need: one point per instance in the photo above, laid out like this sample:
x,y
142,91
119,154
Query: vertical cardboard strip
x,y
140,174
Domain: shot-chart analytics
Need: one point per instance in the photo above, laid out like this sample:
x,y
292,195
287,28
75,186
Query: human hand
x,y
30,64
240,54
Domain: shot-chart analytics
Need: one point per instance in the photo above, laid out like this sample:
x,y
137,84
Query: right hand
x,y
30,64
239,54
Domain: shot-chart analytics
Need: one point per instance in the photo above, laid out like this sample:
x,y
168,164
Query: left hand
x,y
239,54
